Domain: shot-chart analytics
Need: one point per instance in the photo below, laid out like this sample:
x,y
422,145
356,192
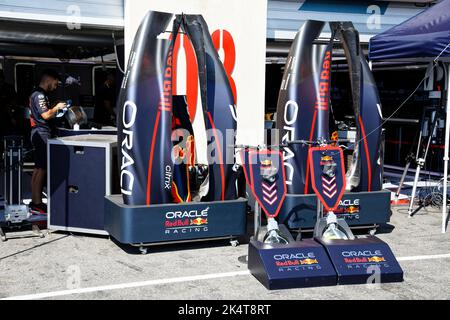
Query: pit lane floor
x,y
73,266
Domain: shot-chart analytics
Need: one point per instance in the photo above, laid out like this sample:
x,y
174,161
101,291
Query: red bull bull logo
x,y
199,222
352,209
309,262
377,259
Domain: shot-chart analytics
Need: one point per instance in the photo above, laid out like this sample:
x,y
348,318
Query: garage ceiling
x,y
55,40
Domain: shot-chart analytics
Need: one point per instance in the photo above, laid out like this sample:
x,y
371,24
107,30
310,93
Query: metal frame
x,y
93,74
10,201
77,230
257,219
421,158
446,158
24,219
143,247
15,70
154,244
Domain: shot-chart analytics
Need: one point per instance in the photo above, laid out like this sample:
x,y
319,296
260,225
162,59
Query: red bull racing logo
x,y
364,259
296,262
182,222
349,207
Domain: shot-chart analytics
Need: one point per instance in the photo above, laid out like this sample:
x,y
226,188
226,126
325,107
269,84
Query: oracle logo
x,y
128,120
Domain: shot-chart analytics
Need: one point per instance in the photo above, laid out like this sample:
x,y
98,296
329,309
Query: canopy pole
x,y
446,158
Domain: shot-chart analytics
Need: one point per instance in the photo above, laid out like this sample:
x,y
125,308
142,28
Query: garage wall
x,y
370,17
284,17
247,45
90,12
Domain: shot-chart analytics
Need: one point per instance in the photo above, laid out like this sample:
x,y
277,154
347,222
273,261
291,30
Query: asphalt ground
x,y
74,266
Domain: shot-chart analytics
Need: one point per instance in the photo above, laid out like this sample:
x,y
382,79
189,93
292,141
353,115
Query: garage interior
x,y
82,57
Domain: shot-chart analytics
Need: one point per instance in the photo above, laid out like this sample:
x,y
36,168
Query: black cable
x,y
116,55
406,211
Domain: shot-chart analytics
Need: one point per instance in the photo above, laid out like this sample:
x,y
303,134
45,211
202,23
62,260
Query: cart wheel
x,y
143,250
37,232
2,235
299,235
243,259
234,243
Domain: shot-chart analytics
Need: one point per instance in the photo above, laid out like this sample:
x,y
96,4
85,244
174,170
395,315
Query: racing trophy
x,y
357,260
274,257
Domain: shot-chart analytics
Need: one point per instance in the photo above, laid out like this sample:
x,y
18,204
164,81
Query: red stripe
x,y
219,150
366,148
150,163
401,201
311,135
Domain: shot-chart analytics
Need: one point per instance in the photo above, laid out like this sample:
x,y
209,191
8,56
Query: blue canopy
x,y
421,37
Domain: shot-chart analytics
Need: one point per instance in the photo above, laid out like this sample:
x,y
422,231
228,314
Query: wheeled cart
x,y
144,226
16,214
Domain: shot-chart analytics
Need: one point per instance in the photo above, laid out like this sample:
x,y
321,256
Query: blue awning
x,y
422,37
